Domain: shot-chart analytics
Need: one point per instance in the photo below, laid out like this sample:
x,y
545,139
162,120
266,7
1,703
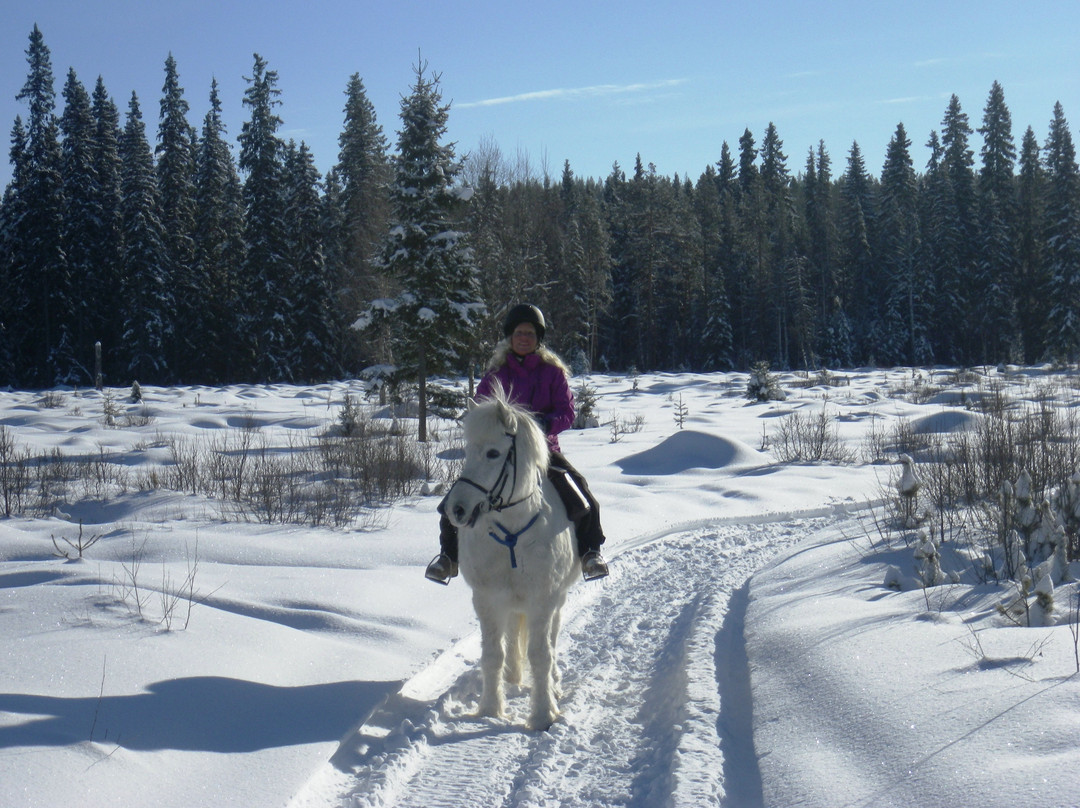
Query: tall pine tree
x,y
996,263
176,188
146,295
424,249
1032,300
219,250
1063,240
40,273
266,300
81,227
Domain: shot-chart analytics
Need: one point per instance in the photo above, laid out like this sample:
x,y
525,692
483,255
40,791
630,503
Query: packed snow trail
x,y
655,705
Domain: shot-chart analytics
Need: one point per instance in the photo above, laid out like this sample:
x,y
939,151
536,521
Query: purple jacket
x,y
537,386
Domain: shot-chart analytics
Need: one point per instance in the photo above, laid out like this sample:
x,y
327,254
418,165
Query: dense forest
x,y
190,262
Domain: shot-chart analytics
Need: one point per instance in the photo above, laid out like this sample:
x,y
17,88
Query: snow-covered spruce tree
x,y
10,213
956,291
996,262
1032,298
39,266
899,336
715,343
1063,240
265,296
438,303
219,247
310,287
856,216
363,173
105,325
146,298
81,223
176,187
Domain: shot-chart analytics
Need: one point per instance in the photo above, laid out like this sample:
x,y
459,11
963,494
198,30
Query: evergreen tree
x,y
595,295
649,205
176,187
39,268
858,269
490,236
363,170
714,344
620,352
785,271
749,288
146,293
1063,240
80,227
266,296
310,285
996,263
1032,283
834,330
956,289
424,250
12,304
219,249
105,326
900,336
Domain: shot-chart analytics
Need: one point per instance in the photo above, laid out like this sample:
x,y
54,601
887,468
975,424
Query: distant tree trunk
x,y
421,369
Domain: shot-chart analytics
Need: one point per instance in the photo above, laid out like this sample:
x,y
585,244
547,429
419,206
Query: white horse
x,y
516,551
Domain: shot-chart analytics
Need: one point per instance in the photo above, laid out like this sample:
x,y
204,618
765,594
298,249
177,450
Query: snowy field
x,y
745,650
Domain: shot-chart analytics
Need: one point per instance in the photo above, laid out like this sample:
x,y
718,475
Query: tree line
x,y
191,264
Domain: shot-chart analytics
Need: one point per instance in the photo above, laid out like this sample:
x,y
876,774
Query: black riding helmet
x,y
525,313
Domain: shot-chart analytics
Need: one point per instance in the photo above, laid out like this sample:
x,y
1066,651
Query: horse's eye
x,y
492,453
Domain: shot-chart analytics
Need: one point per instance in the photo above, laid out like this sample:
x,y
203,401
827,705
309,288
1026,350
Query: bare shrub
x,y
810,438
14,473
74,548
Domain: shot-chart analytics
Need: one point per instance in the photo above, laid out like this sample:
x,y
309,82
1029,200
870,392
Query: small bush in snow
x,y
763,385
585,399
680,413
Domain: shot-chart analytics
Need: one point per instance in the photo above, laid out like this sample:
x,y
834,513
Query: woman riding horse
x,y
535,378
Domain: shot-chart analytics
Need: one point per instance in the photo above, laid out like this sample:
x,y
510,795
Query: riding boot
x,y
444,566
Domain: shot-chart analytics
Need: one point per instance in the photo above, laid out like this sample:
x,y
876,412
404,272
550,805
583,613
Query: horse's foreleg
x,y
542,660
515,649
556,674
492,657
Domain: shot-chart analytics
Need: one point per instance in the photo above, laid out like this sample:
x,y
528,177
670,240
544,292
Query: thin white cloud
x,y
594,91
909,99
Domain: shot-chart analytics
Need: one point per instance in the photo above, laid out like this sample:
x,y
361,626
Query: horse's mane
x,y
496,412
502,351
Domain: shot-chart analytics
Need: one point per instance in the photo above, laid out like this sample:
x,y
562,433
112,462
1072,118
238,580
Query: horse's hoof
x,y
542,723
489,711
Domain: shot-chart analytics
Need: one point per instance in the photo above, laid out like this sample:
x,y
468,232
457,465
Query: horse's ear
x,y
506,417
470,404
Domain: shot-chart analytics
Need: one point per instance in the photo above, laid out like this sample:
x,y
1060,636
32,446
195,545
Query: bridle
x,y
496,499
497,493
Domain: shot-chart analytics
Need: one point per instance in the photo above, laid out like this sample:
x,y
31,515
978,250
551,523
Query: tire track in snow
x,y
646,657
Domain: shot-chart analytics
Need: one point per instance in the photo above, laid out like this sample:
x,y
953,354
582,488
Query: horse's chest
x,y
536,562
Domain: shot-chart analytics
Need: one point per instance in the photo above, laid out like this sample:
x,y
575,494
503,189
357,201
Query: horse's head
x,y
506,456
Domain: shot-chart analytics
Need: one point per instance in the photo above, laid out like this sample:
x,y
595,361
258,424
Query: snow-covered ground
x,y
744,651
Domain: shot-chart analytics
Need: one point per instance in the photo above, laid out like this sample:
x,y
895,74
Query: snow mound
x,y
691,450
945,421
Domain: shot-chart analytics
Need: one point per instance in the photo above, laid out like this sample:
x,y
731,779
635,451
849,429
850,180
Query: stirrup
x,y
593,566
441,569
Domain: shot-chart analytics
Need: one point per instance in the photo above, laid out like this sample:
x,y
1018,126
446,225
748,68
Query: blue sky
x,y
591,82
